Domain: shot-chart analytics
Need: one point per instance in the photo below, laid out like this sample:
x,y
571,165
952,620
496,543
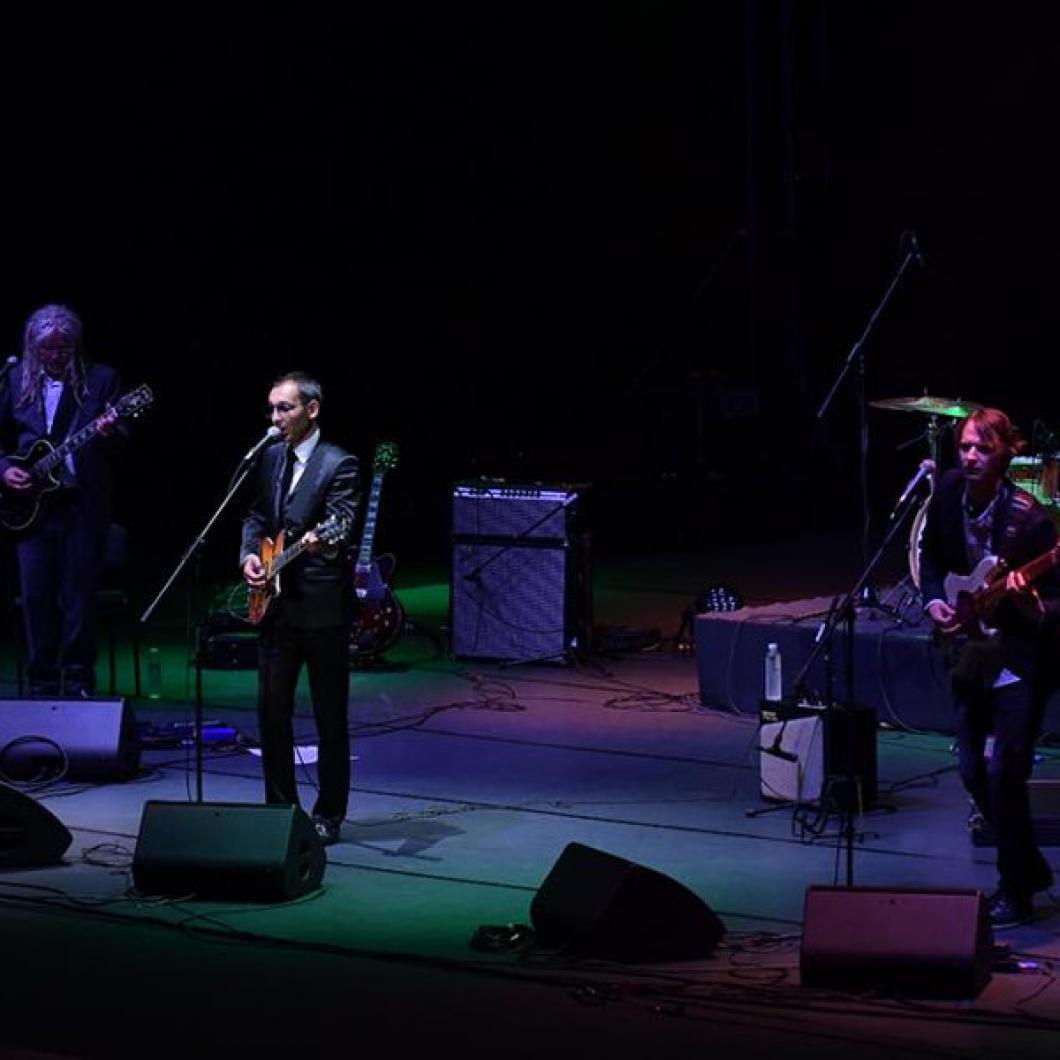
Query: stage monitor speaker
x,y
809,754
916,943
30,835
83,739
227,850
599,905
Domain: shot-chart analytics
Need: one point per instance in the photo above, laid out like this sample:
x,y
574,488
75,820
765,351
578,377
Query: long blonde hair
x,y
46,321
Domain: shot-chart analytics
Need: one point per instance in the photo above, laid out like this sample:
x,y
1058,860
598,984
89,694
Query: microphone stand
x,y
856,358
846,612
192,550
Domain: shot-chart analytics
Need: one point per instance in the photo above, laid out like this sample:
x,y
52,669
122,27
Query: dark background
x,y
627,244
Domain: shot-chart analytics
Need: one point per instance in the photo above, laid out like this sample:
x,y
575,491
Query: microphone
x,y
270,436
925,469
914,248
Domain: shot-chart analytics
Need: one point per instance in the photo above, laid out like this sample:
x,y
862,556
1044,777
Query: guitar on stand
x,y
380,617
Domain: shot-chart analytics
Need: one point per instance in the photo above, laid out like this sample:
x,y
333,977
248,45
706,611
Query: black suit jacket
x,y
21,426
316,591
1016,537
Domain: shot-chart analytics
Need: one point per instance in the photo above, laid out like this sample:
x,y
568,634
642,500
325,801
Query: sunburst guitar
x,y
275,556
380,618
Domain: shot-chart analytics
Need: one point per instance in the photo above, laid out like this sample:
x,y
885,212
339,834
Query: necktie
x,y
285,478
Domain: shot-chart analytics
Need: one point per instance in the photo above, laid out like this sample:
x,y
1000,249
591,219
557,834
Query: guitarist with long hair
x,y
50,394
999,638
307,498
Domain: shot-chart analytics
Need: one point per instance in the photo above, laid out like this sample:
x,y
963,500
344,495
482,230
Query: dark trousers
x,y
997,777
325,653
59,564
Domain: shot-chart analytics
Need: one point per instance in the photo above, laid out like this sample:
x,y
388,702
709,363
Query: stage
x,y
471,779
898,670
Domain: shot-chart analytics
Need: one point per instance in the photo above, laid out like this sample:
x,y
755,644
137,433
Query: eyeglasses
x,y
284,408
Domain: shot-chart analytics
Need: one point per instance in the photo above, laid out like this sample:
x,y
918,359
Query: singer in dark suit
x,y
50,395
999,683
301,484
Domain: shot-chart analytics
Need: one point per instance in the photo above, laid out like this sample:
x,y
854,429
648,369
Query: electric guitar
x,y
976,595
380,617
19,510
275,557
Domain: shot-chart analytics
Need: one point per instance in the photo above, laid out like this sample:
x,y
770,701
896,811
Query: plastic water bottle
x,y
154,673
774,684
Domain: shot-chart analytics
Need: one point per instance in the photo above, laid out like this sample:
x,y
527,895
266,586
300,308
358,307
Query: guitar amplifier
x,y
520,587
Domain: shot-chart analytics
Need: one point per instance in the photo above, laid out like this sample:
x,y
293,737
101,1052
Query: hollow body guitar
x,y
380,617
275,556
19,511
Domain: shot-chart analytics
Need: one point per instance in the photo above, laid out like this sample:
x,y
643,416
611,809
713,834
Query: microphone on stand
x,y
270,436
913,247
926,468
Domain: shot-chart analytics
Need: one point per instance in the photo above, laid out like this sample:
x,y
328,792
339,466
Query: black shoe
x,y
328,830
1006,910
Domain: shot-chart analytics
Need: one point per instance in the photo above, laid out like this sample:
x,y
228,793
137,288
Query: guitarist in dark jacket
x,y
50,395
302,484
1000,682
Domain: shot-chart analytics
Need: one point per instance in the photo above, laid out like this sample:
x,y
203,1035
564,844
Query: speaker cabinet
x,y
30,835
521,587
227,850
85,739
810,754
598,904
929,943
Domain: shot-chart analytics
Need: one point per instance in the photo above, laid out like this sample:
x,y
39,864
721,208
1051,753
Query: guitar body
x,y
975,596
258,600
18,511
380,617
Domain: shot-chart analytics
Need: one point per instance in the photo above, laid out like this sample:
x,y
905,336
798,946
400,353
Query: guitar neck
x,y
1031,571
364,555
286,556
72,444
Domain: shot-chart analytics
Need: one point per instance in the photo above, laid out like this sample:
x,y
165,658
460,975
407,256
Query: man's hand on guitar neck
x,y
254,572
1024,596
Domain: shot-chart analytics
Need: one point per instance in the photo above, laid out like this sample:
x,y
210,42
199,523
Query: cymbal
x,y
935,406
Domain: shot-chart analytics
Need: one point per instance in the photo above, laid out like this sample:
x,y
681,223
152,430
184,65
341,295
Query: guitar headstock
x,y
385,457
332,529
133,403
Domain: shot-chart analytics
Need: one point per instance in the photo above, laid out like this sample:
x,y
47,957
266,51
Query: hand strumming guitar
x,y
254,572
17,480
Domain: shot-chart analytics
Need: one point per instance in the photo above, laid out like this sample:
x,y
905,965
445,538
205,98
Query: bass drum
x,y
916,532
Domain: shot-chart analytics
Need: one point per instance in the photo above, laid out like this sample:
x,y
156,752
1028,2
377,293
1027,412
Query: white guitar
x,y
975,596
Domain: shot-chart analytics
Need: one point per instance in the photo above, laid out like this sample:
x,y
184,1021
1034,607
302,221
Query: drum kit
x,y
1038,475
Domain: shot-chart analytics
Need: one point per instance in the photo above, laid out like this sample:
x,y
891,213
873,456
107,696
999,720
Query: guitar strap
x,y
1015,513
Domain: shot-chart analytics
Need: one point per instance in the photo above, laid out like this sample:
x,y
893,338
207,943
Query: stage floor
x,y
470,779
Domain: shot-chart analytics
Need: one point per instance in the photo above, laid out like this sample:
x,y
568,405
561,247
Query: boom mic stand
x,y
193,549
846,612
856,357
